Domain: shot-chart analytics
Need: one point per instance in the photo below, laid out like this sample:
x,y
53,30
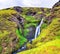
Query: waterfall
x,y
37,32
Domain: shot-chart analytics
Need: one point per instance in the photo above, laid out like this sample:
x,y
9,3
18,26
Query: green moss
x,y
6,13
22,38
0,49
30,24
3,33
30,19
44,25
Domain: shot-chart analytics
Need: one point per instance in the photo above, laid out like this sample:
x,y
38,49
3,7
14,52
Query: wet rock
x,y
31,33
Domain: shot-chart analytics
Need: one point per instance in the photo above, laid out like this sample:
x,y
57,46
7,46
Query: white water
x,y
37,32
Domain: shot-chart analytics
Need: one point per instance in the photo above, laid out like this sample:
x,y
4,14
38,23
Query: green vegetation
x,y
30,20
44,25
0,49
11,39
43,44
6,13
22,39
47,48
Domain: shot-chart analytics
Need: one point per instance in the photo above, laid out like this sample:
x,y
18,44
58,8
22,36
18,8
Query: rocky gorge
x,y
30,30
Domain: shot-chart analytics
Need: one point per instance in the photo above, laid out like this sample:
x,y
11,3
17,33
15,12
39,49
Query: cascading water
x,y
37,32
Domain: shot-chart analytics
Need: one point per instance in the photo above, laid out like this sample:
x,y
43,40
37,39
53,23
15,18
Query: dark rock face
x,y
19,21
18,9
31,33
56,8
57,4
30,13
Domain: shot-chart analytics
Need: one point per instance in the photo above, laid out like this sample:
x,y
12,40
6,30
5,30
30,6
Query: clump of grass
x,y
22,38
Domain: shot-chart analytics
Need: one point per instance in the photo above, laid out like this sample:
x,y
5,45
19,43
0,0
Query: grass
x,y
22,39
44,25
0,49
47,48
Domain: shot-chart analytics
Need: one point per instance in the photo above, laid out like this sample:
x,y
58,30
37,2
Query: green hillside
x,y
18,26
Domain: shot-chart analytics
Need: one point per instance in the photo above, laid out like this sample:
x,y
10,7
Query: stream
x,y
37,32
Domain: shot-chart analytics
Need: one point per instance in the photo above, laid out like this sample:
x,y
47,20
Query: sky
x,y
27,3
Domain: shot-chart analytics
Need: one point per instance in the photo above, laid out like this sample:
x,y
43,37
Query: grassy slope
x,y
47,48
7,32
49,35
